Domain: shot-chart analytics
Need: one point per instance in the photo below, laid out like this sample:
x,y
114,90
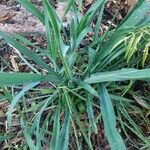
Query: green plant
x,y
78,76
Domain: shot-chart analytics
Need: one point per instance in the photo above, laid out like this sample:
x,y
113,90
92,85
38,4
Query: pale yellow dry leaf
x,y
7,16
13,63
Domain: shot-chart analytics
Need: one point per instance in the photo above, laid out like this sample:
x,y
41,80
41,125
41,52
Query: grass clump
x,y
81,79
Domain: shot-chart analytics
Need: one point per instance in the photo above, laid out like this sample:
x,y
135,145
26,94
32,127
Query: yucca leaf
x,y
89,16
70,3
17,99
27,136
91,56
67,99
73,38
87,87
117,37
52,30
64,133
90,113
43,105
119,75
43,129
56,30
30,7
99,20
108,115
82,35
139,15
29,139
116,53
37,119
30,54
53,19
8,79
56,130
27,42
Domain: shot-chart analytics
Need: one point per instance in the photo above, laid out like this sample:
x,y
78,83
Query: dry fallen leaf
x,y
22,21
13,63
7,16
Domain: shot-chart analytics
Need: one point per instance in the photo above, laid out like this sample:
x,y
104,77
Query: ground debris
x,y
12,20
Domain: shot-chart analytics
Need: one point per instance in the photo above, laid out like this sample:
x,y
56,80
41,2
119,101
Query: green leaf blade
x,y
30,54
17,99
108,115
30,7
119,75
64,134
8,79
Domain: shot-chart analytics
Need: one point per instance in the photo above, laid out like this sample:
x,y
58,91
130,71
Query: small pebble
x,y
16,8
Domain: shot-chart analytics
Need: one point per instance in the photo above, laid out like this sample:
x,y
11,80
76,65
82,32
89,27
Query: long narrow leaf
x,y
87,87
108,115
8,79
58,40
89,16
38,118
56,130
30,7
64,134
30,54
119,75
70,3
50,22
52,17
114,41
16,100
28,136
139,16
90,113
27,42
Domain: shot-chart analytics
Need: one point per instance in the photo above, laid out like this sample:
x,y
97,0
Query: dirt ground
x,y
15,19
